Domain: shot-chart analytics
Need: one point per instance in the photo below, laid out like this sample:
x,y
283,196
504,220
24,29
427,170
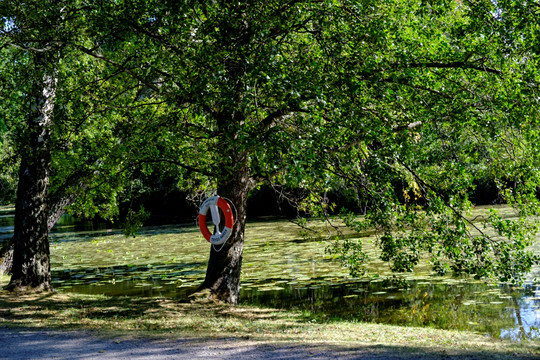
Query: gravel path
x,y
19,344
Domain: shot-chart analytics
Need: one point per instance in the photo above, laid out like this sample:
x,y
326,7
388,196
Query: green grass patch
x,y
203,319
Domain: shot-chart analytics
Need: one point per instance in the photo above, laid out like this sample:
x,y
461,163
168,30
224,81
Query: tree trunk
x,y
233,183
55,210
31,264
225,263
6,257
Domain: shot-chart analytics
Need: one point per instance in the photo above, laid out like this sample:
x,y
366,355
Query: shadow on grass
x,y
93,312
30,343
203,328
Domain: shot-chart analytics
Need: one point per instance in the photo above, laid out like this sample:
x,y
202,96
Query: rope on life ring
x,y
213,204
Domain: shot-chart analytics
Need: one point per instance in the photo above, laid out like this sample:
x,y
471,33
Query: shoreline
x,y
155,322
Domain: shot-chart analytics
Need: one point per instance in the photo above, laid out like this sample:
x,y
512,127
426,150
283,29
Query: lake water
x,y
283,270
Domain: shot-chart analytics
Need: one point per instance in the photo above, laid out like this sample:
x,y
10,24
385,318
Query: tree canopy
x,y
402,106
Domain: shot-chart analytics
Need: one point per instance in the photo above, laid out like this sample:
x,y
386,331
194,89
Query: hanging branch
x,y
454,210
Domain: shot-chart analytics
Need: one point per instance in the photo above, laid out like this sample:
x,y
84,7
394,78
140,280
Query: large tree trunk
x,y
233,183
225,262
55,210
31,264
233,172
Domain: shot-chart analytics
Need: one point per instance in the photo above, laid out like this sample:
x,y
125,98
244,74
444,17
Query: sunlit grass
x,y
123,316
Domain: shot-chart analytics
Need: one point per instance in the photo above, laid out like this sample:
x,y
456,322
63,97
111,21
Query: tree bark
x,y
55,210
233,183
225,262
31,262
6,257
233,170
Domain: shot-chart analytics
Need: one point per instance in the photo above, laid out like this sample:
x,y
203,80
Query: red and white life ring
x,y
215,203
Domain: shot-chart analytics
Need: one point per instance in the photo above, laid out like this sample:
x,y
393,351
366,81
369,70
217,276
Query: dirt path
x,y
19,344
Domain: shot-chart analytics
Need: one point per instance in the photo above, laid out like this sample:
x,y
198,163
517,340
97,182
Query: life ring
x,y
215,203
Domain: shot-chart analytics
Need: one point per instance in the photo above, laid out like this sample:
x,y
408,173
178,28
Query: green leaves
x,y
427,93
405,107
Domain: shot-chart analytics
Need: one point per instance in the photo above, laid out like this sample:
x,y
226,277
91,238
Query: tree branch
x,y
454,210
57,208
174,162
117,65
31,48
270,119
450,65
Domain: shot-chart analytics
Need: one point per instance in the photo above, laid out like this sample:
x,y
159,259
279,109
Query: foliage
x,y
95,107
8,176
434,107
403,105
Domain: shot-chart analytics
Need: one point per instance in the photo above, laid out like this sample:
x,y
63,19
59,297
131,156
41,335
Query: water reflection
x,y
499,311
280,271
68,223
6,226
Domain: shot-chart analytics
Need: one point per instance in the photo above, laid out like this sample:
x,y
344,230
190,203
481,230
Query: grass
x,y
202,319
